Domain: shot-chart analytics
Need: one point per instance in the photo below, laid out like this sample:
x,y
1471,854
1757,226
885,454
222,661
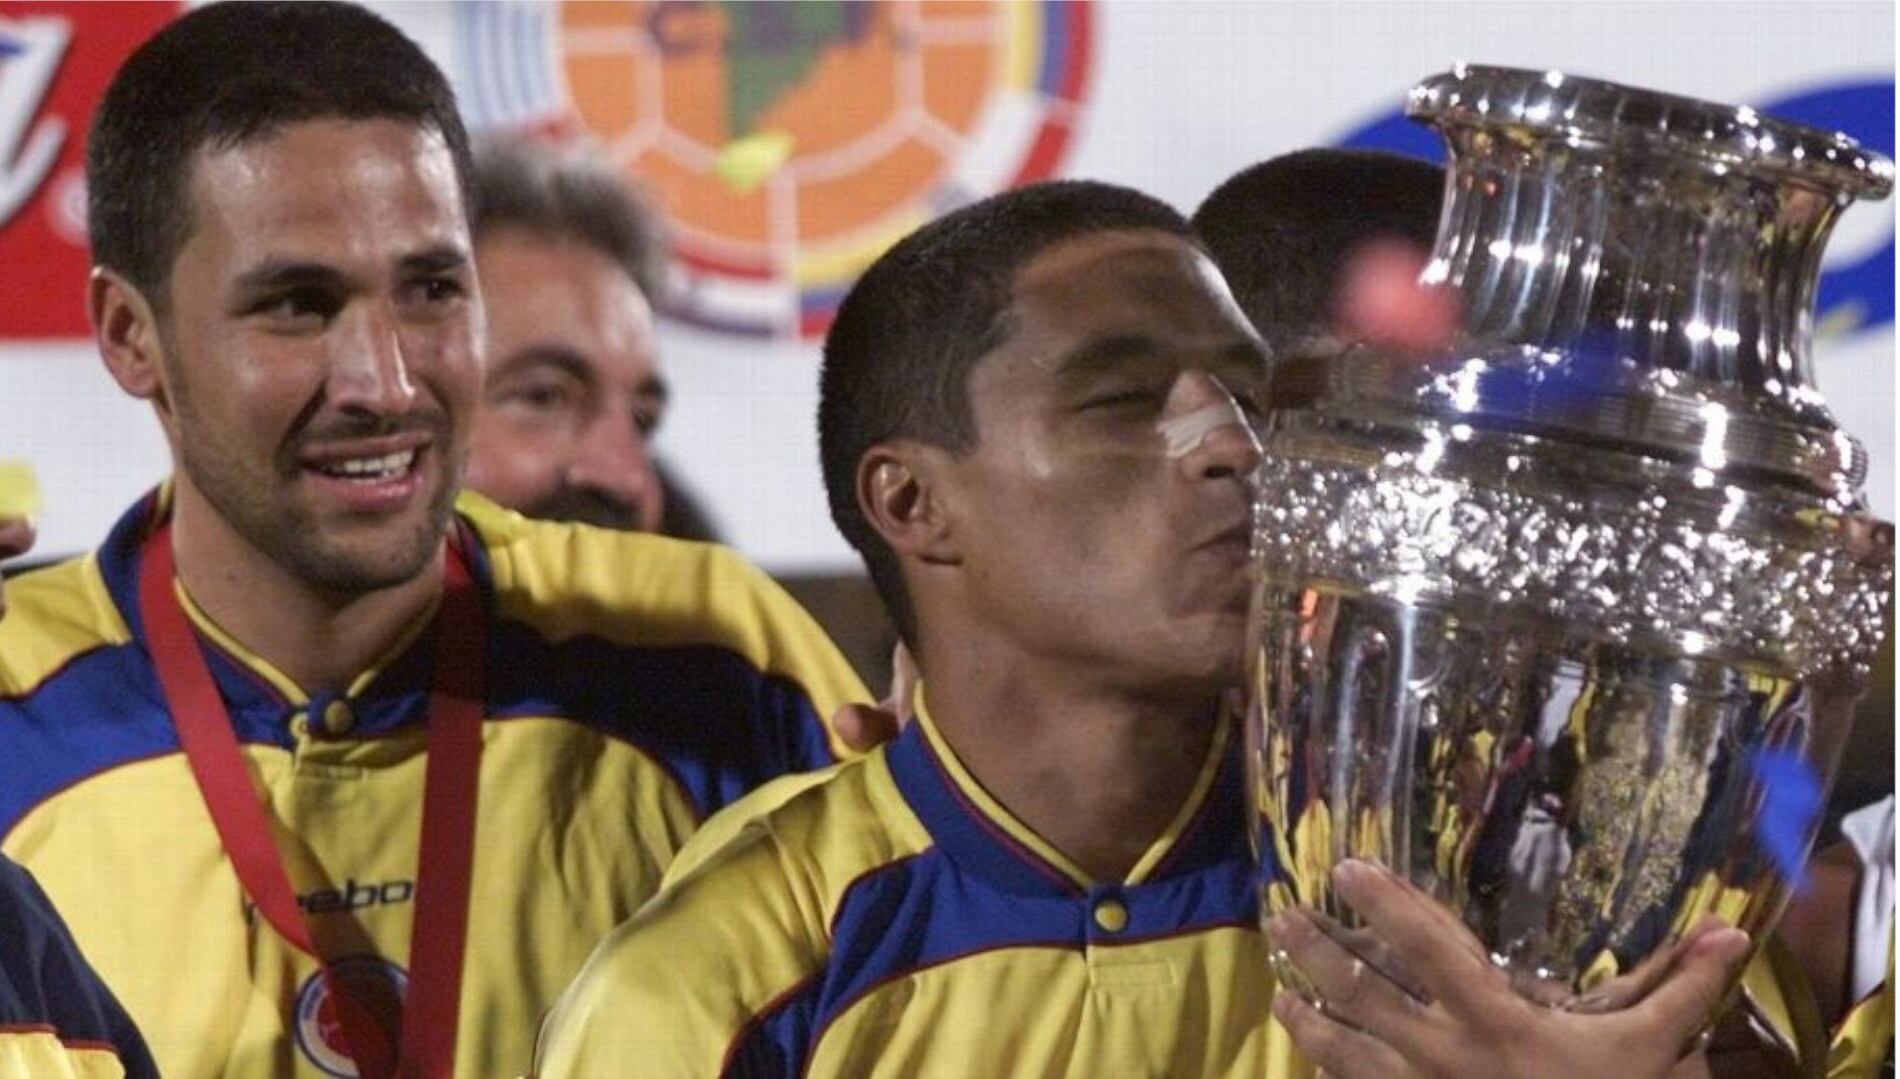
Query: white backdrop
x,y
1180,95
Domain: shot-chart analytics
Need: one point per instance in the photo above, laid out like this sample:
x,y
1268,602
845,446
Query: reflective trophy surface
x,y
1566,626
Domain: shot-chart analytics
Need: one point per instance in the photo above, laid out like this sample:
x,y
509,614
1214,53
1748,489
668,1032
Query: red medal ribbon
x,y
432,1008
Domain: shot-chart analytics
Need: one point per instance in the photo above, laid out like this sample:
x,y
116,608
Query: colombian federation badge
x,y
319,1033
787,145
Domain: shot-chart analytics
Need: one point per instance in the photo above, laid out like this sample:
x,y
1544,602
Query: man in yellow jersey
x,y
57,1019
1033,421
327,769
1293,237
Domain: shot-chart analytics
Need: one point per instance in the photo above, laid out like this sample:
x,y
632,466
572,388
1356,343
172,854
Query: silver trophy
x,y
1567,627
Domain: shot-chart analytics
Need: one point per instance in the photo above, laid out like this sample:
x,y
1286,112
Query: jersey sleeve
x,y
56,1017
686,987
722,827
800,651
685,649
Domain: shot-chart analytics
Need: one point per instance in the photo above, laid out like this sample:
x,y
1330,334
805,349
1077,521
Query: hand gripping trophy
x,y
1566,626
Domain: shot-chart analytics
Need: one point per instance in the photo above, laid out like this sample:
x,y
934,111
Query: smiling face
x,y
320,349
1102,516
574,392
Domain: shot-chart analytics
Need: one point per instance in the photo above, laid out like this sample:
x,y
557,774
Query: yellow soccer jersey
x,y
57,1021
635,685
895,920
1863,1040
1776,990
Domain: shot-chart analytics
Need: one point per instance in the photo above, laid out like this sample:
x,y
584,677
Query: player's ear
x,y
901,493
126,328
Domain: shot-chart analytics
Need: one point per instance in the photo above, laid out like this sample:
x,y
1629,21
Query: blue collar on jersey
x,y
982,844
398,694
979,888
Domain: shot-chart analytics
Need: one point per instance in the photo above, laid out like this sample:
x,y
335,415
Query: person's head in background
x,y
571,263
1321,246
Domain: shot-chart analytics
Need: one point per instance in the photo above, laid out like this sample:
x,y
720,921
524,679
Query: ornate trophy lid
x,y
1552,105
1636,271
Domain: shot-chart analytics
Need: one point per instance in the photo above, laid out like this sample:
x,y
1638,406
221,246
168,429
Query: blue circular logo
x,y
371,980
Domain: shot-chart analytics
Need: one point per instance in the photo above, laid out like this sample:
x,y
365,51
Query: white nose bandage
x,y
1184,434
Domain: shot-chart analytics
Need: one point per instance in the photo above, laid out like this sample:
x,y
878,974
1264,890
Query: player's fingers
x,y
1627,988
16,536
904,679
1365,944
1335,1048
1432,913
1353,990
864,727
1684,1002
1431,944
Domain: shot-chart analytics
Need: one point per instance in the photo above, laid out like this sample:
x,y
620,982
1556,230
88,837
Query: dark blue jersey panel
x,y
45,982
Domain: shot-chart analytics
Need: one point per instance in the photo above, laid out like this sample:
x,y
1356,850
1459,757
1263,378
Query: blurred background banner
x,y
787,145
55,62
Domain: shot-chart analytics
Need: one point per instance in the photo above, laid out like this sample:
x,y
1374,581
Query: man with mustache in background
x,y
570,267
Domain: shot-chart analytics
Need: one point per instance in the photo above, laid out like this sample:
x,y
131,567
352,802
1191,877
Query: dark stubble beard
x,y
243,495
243,490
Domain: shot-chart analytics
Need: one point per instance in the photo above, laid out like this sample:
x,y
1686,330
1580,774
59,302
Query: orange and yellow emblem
x,y
788,144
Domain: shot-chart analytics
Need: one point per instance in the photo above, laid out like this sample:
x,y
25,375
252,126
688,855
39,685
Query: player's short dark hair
x,y
898,358
226,74
1281,231
561,195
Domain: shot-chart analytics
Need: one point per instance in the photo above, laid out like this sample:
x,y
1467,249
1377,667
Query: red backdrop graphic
x,y
55,61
